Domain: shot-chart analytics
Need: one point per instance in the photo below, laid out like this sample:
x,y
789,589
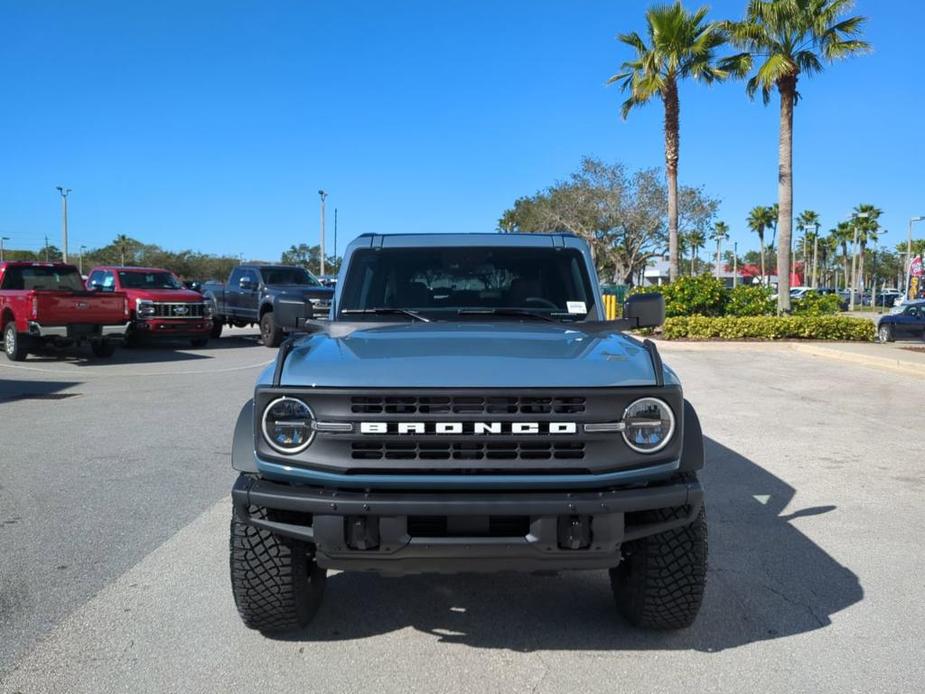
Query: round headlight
x,y
288,425
648,425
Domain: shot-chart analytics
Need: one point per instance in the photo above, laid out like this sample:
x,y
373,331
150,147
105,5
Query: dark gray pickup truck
x,y
467,407
253,293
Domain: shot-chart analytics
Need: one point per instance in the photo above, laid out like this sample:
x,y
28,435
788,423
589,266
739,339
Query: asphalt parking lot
x,y
113,537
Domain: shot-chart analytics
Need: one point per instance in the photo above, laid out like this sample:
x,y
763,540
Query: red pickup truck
x,y
48,303
159,304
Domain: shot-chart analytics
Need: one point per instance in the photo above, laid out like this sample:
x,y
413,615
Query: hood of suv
x,y
469,354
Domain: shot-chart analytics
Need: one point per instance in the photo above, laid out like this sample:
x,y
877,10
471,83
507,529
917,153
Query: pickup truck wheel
x,y
217,326
15,345
103,348
271,334
659,584
277,587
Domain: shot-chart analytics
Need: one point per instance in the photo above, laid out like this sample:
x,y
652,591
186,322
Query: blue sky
x,y
211,125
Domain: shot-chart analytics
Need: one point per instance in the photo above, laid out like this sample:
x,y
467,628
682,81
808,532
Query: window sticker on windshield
x,y
576,307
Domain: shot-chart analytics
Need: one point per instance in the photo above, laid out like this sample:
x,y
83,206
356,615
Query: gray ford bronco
x,y
467,408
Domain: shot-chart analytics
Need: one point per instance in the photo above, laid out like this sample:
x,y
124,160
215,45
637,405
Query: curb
x,y
809,348
889,363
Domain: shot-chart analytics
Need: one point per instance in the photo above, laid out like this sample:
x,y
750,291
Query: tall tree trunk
x,y
787,88
860,287
672,137
844,248
764,274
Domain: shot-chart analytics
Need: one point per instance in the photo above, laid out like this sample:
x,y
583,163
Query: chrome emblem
x,y
81,305
180,310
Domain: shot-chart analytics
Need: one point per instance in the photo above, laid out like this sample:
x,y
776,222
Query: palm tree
x,y
122,242
680,45
842,235
720,234
866,219
695,239
791,38
806,221
759,219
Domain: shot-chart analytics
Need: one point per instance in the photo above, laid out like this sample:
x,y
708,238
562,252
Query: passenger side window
x,y
254,277
235,278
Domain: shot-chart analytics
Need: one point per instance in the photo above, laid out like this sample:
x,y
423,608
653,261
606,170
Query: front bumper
x,y
77,331
180,328
370,531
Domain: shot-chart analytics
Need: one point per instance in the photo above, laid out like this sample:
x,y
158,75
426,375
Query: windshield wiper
x,y
384,311
520,312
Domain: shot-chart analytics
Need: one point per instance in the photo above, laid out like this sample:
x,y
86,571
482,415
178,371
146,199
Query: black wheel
x,y
103,348
885,333
659,584
277,587
15,345
199,342
217,326
271,334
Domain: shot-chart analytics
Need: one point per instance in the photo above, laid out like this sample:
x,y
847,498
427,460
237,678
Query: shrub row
x,y
705,295
807,327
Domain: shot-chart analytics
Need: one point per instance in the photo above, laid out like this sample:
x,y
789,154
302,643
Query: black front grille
x,y
169,310
472,405
467,450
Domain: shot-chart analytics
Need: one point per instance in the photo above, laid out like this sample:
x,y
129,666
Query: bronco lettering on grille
x,y
468,428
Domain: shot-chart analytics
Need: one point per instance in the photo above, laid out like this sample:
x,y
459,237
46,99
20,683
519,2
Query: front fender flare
x,y
692,454
242,447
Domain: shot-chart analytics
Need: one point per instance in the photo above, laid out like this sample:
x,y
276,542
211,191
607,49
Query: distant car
x,y
161,307
887,297
800,292
903,322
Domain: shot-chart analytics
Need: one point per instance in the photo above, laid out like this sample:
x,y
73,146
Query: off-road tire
x,y
217,326
103,349
277,587
15,345
199,342
271,334
659,584
885,333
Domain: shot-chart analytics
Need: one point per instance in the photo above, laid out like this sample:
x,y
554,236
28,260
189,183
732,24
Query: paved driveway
x,y
113,533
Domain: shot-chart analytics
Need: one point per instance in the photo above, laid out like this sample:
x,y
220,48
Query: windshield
x,y
149,280
289,275
441,283
38,277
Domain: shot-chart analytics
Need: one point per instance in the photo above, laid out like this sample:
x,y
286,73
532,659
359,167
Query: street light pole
x,y
64,191
335,234
912,220
2,239
323,197
81,260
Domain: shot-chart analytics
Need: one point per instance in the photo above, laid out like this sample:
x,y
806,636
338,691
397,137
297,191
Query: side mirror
x,y
246,283
292,312
645,310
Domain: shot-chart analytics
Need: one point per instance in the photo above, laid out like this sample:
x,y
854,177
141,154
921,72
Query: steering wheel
x,y
540,300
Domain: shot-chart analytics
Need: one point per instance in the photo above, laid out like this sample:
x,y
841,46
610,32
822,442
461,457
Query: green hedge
x,y
768,328
751,300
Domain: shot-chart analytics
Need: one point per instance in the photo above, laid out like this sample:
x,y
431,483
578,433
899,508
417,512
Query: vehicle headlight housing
x,y
648,425
288,425
144,308
208,309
